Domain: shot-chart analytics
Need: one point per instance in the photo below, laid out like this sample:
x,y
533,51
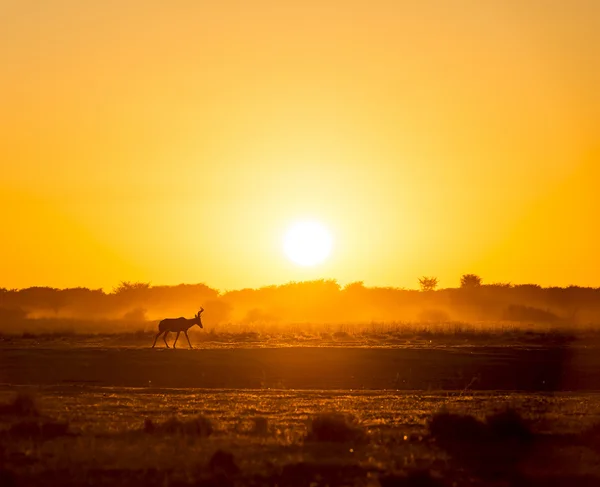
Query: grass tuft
x,y
200,426
493,448
446,427
260,426
22,405
223,462
334,427
508,425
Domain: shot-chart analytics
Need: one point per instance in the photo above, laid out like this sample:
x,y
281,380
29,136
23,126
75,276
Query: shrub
x,y
260,425
508,425
199,426
22,405
448,428
493,448
223,462
428,283
470,281
334,427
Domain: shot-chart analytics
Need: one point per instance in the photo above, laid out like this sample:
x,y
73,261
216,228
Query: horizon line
x,y
221,291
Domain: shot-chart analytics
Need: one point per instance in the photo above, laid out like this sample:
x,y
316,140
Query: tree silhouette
x,y
470,281
131,287
428,283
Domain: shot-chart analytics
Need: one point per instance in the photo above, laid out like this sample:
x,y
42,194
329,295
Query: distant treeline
x,y
321,301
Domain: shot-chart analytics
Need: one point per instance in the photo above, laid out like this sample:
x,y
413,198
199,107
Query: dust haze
x,y
139,306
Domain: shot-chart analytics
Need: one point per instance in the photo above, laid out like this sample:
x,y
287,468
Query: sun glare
x,y
307,243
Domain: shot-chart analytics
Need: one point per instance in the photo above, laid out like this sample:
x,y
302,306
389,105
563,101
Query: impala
x,y
177,325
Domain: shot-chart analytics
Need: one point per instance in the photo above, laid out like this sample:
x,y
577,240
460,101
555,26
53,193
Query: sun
x,y
307,243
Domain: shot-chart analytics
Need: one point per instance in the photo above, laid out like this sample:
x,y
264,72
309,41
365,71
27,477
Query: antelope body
x,y
177,325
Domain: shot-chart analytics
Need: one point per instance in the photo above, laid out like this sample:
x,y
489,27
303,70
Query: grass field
x,y
108,410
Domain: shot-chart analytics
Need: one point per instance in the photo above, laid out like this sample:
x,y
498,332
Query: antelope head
x,y
198,319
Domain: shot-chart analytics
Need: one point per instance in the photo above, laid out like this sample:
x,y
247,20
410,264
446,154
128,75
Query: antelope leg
x,y
156,337
188,339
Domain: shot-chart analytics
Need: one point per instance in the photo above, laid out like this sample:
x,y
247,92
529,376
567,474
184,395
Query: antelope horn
x,y
201,310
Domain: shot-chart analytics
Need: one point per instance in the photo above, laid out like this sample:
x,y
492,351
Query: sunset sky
x,y
171,142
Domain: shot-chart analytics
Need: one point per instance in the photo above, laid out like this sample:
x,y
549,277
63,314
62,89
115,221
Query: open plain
x,y
109,410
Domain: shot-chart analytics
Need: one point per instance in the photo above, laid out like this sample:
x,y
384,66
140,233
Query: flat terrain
x,y
100,414
519,368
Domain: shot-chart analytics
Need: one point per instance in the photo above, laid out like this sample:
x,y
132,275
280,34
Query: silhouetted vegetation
x,y
260,426
492,448
138,306
428,283
21,405
334,427
443,449
470,281
223,462
198,426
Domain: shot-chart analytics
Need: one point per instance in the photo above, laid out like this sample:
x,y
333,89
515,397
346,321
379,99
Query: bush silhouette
x,y
428,283
223,462
21,405
493,448
334,427
198,426
470,281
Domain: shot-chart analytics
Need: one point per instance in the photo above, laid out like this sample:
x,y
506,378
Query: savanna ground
x,y
338,407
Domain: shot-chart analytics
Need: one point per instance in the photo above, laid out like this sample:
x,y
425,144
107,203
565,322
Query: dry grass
x,y
295,443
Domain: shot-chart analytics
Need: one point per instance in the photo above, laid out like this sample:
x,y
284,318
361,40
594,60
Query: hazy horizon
x,y
342,285
320,302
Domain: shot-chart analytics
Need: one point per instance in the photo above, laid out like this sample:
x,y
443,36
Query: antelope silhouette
x,y
177,325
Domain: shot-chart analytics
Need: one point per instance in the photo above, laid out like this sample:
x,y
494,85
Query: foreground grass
x,y
117,436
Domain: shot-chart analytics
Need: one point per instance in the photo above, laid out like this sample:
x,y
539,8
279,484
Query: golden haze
x,y
151,141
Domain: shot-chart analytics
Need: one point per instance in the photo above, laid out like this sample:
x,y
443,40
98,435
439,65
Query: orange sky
x,y
175,141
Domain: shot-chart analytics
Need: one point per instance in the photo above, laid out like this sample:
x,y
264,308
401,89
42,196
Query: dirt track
x,y
553,369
